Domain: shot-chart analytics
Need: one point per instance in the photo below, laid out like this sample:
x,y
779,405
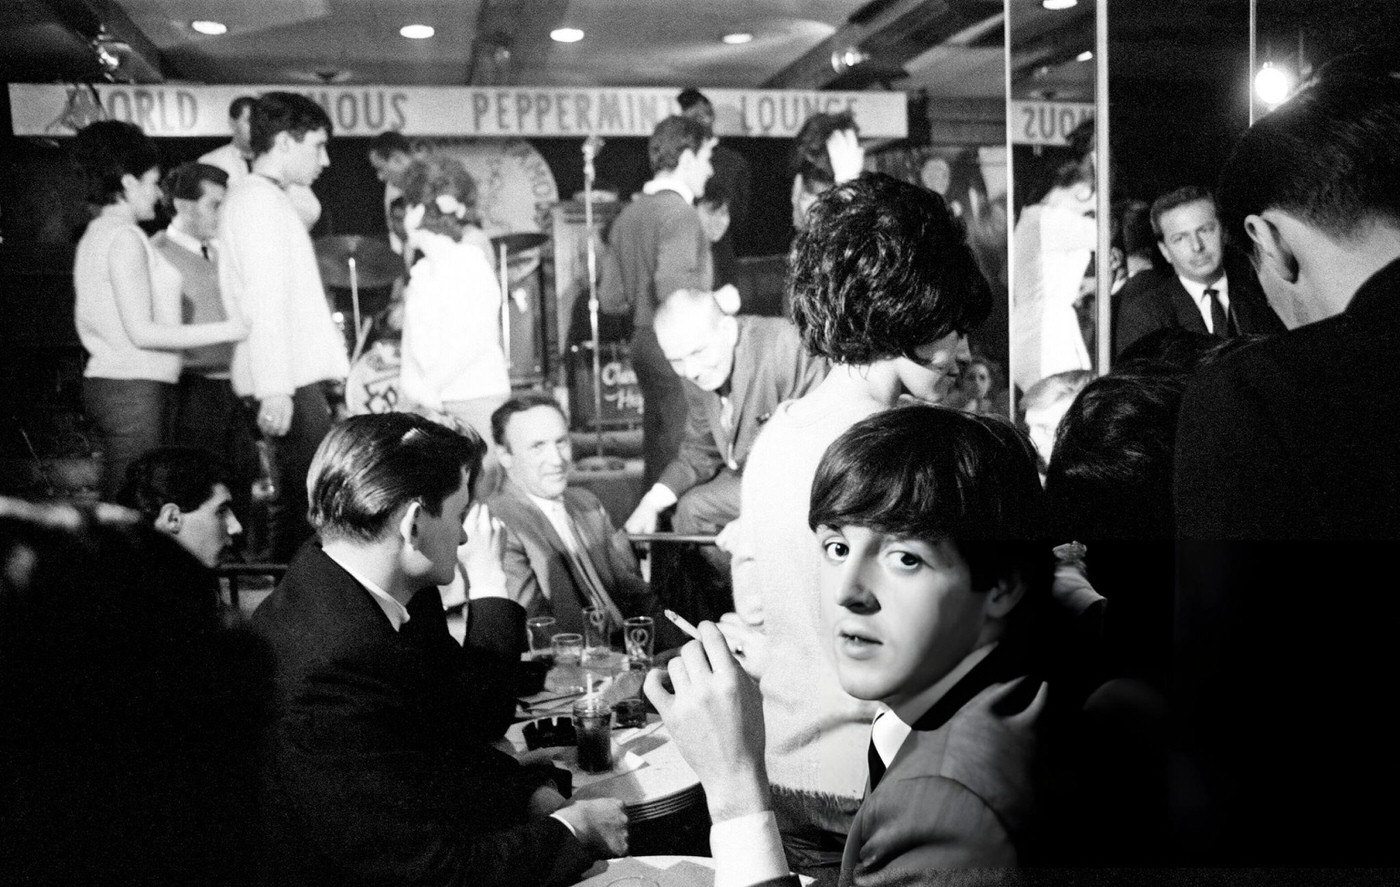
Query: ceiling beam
x,y
140,59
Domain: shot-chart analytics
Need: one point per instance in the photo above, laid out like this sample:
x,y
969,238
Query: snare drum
x,y
373,383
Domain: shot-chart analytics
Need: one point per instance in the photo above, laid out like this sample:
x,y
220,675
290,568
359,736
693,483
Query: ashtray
x,y
550,732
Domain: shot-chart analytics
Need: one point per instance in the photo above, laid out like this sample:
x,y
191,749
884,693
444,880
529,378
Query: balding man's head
x,y
697,337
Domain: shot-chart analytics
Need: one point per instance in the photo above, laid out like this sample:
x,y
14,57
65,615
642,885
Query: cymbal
x,y
376,263
520,240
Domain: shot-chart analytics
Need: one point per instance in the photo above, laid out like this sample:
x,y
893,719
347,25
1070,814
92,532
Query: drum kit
x,y
356,262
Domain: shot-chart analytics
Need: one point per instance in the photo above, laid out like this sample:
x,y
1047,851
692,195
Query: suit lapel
x,y
565,602
591,538
1188,316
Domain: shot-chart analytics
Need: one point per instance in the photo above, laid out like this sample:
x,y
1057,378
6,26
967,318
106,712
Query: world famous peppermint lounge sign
x,y
181,110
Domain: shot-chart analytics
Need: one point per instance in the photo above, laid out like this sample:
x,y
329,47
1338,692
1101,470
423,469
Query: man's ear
x,y
408,524
1271,248
729,329
1162,248
505,457
1004,596
168,519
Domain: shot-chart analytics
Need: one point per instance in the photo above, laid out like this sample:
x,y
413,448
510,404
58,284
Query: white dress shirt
x,y
1197,292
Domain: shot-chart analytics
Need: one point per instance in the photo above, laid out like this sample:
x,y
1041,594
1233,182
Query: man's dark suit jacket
x,y
379,767
770,366
1287,488
542,577
1155,299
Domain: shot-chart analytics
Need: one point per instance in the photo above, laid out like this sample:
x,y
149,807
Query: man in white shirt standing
x,y
1205,291
268,274
236,159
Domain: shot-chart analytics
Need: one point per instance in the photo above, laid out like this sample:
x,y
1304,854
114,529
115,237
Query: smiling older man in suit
x,y
563,552
1207,290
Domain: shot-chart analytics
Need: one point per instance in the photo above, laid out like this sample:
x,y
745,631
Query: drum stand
x,y
598,462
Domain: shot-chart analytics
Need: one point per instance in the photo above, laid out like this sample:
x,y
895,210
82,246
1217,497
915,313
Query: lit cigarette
x,y
682,623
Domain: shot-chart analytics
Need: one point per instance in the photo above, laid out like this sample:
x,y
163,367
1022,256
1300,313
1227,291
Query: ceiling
x,y
948,48
490,42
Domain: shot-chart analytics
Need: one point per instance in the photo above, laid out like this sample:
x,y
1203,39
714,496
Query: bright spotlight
x,y
566,35
1272,84
417,32
736,39
212,29
1059,4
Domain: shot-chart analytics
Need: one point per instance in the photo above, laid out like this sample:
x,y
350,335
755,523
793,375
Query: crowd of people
x,y
1145,628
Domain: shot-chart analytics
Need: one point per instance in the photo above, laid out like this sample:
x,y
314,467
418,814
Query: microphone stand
x,y
598,462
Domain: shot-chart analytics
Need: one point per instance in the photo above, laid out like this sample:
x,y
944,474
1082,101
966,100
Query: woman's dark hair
x,y
934,473
183,475
427,178
882,269
105,151
810,159
369,466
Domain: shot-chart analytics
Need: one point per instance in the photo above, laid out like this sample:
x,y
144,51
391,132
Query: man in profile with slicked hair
x,y
381,767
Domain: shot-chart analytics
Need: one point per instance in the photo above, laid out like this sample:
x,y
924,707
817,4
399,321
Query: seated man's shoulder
x,y
990,743
1148,284
583,499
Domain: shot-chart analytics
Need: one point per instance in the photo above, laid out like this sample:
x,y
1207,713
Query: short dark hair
x,y
241,104
370,466
1111,473
671,138
809,156
184,476
1135,228
1327,156
934,473
427,178
527,400
1175,198
882,269
186,181
690,97
390,142
287,112
106,150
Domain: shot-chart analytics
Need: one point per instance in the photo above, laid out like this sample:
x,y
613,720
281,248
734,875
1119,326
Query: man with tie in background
x,y
563,552
1207,290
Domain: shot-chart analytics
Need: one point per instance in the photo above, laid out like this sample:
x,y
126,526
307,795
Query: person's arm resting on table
x,y
715,716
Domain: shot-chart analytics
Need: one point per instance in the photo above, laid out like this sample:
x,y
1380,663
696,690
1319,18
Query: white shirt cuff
x,y
573,831
660,497
747,849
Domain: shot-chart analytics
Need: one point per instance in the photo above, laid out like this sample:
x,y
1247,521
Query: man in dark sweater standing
x,y
657,246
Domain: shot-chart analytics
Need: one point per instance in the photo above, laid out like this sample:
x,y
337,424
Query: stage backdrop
x,y
188,110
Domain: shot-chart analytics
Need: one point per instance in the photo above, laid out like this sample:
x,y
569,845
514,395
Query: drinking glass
x,y
593,727
595,628
541,634
567,673
638,638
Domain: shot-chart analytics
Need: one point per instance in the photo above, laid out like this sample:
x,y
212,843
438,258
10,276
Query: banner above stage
x,y
176,110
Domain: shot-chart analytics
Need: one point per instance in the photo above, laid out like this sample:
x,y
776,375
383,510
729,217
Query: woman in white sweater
x,y
127,309
452,361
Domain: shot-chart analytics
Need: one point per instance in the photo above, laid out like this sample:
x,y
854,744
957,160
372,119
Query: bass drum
x,y
373,383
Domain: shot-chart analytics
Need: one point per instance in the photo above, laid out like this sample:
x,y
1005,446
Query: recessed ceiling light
x,y
417,32
1059,4
566,35
213,29
1084,56
736,39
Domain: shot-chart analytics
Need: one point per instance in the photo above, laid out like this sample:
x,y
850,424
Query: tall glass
x,y
596,628
541,636
567,674
639,639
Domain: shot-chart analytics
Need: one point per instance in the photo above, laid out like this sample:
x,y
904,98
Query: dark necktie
x,y
877,766
1220,324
